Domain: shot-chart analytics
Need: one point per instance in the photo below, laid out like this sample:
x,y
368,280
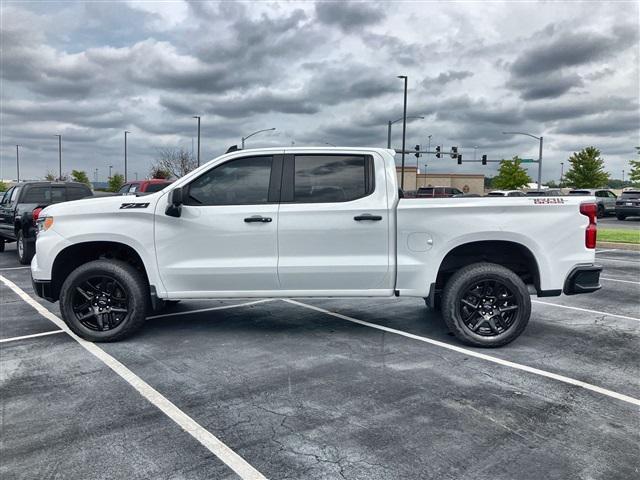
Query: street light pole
x,y
561,172
540,139
255,133
623,177
125,155
110,167
395,121
59,156
18,163
198,117
404,129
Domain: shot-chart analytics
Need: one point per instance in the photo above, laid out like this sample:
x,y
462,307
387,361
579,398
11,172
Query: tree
x,y
511,175
50,177
634,173
80,176
3,186
178,162
587,169
158,172
116,181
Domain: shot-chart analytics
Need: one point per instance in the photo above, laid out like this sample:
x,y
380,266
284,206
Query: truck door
x,y
333,224
225,239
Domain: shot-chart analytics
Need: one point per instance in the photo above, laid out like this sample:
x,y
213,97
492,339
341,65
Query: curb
x,y
619,246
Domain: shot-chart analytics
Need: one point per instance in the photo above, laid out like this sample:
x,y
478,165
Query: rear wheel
x,y
1,244
486,305
24,249
601,212
104,300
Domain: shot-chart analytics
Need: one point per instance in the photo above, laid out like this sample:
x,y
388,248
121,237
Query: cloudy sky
x,y
318,72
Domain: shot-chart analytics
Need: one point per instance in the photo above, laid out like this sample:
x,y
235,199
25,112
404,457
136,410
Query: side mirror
x,y
174,209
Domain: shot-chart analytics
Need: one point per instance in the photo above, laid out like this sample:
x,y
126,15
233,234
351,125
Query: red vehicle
x,y
144,186
438,192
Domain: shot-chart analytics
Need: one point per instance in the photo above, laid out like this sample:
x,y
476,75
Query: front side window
x,y
6,196
238,182
125,188
332,178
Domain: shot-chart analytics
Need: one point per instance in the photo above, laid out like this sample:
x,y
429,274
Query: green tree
x,y
80,176
50,177
634,173
159,172
3,186
587,169
116,182
511,175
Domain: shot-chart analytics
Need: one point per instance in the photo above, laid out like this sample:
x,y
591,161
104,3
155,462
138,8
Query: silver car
x,y
605,199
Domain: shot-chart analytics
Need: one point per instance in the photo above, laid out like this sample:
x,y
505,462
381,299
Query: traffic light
x,y
484,159
438,151
459,159
417,154
454,152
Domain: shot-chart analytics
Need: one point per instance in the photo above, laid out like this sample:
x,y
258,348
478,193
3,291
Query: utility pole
x,y
404,130
59,156
125,156
198,117
18,163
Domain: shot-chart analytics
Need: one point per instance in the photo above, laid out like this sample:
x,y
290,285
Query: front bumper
x,y
43,289
583,279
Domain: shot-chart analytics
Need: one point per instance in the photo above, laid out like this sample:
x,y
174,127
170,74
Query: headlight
x,y
44,223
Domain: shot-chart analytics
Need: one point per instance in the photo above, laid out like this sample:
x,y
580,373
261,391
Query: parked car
x,y
143,186
506,193
21,202
437,192
628,204
605,199
311,222
551,192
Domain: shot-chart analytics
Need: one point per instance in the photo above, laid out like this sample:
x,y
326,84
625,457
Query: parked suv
x,y
144,186
628,204
438,192
506,193
605,199
17,209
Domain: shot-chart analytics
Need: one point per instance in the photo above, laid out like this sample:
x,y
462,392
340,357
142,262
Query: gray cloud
x,y
553,85
348,16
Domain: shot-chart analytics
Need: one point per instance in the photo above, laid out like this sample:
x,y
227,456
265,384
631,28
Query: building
x,y
467,182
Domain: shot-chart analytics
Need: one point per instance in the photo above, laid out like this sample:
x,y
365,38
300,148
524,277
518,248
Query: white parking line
x,y
597,312
13,268
608,250
13,339
222,307
618,280
472,353
188,424
608,259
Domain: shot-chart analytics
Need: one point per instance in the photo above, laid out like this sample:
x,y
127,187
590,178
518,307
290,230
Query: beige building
x,y
467,182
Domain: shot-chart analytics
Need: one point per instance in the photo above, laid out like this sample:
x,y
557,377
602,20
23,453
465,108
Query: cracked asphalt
x,y
302,394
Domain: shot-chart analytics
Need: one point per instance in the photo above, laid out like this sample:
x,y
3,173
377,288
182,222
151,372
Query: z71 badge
x,y
133,205
548,201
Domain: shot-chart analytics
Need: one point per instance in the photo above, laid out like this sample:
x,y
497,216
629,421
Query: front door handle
x,y
367,216
257,219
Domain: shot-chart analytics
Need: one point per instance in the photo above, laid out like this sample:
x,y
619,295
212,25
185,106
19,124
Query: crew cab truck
x,y
312,222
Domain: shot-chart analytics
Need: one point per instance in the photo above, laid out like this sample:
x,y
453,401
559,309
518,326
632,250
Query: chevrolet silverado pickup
x,y
312,222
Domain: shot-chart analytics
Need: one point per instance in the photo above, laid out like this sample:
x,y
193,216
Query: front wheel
x,y
486,305
24,248
104,300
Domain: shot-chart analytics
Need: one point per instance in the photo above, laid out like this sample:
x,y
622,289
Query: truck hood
x,y
96,206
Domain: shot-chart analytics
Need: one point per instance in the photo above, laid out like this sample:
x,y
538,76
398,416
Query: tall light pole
x,y
255,133
125,155
136,174
475,151
404,129
110,167
623,177
95,176
539,153
561,173
418,160
395,121
59,156
18,163
198,117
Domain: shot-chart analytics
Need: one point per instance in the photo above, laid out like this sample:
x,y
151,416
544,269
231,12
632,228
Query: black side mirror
x,y
174,209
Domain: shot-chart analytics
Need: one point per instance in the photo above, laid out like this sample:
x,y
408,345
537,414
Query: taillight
x,y
591,211
35,214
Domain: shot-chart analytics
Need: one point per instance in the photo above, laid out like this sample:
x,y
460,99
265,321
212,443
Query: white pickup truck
x,y
312,222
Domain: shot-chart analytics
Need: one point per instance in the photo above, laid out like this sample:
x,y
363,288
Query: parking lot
x,y
324,388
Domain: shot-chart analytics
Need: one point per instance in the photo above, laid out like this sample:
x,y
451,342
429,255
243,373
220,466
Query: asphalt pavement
x,y
631,223
324,389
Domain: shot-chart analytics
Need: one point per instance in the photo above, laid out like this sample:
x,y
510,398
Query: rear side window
x,y
238,182
76,192
579,192
155,187
58,194
332,178
40,194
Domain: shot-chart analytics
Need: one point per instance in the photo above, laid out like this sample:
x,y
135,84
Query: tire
x,y
1,244
476,284
24,249
621,217
601,211
124,289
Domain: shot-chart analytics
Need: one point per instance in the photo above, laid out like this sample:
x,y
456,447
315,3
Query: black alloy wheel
x,y
100,303
488,308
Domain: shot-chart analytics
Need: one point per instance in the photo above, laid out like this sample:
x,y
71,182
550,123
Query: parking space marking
x,y
222,307
472,353
13,339
604,251
13,268
608,259
618,280
188,424
586,310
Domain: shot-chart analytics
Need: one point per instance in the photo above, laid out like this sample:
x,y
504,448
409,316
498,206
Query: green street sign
x,y
528,160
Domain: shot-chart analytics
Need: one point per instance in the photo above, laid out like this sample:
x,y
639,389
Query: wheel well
x,y
514,256
75,255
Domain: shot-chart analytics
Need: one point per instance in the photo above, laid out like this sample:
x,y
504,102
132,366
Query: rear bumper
x,y
627,210
43,289
583,279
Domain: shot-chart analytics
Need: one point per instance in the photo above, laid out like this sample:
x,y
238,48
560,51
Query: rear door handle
x,y
366,216
257,218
